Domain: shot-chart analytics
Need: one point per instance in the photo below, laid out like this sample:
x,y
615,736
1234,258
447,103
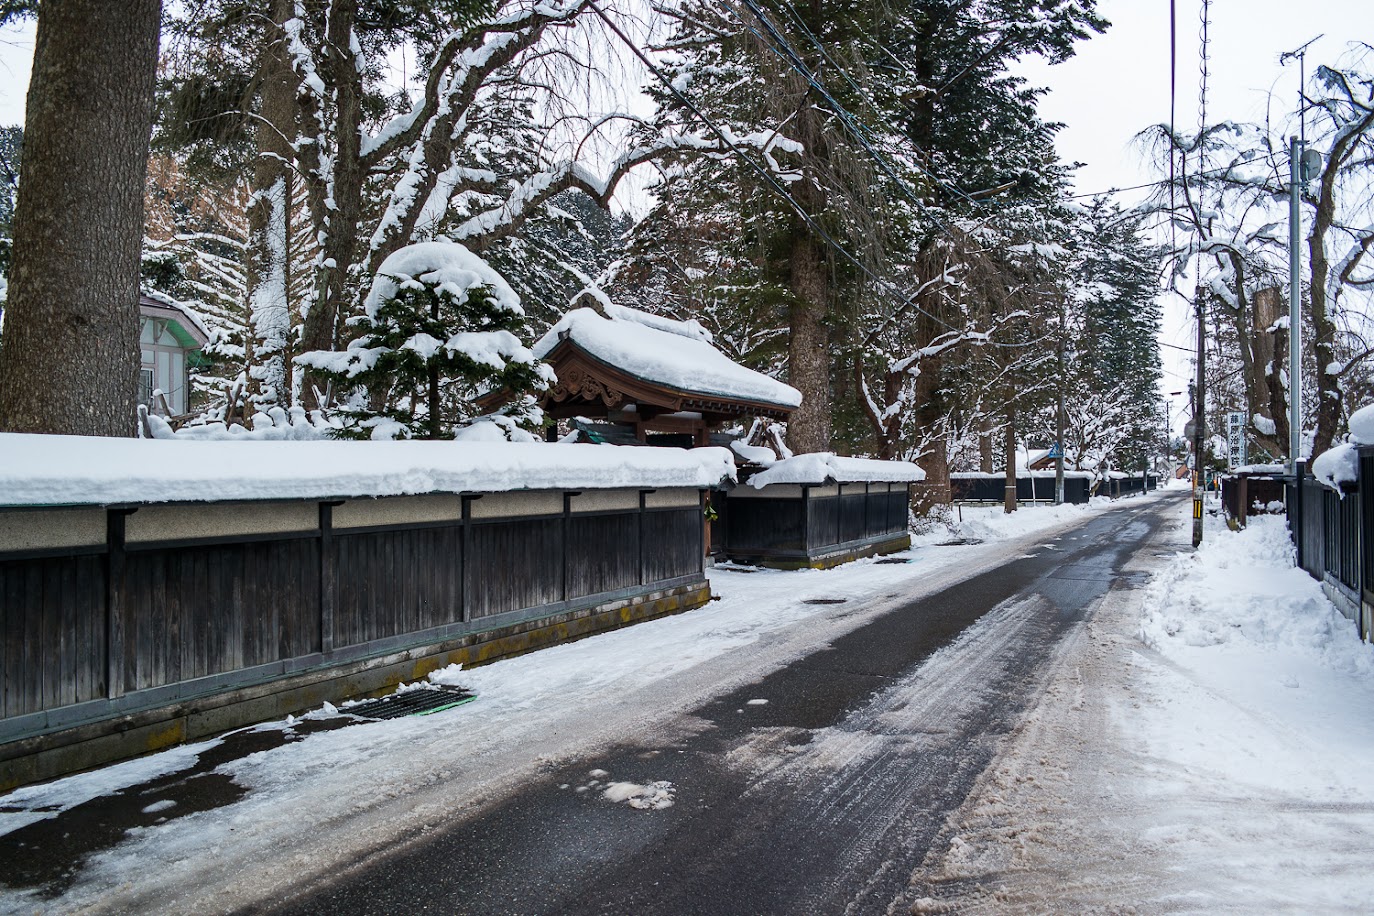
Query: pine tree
x,y
439,325
1113,369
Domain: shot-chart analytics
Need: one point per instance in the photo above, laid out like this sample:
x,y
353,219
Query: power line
x,y
784,49
768,177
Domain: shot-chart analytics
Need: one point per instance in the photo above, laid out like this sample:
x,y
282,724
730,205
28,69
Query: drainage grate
x,y
419,702
825,601
960,542
893,560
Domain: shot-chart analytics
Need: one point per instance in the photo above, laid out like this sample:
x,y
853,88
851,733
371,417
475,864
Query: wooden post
x,y
567,515
465,558
868,525
114,600
329,562
1009,490
642,500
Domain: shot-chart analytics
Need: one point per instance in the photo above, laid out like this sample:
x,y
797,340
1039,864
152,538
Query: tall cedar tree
x,y
69,356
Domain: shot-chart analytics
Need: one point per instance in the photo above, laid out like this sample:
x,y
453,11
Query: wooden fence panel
x,y
503,571
823,521
768,524
853,526
603,553
393,582
194,611
673,549
52,619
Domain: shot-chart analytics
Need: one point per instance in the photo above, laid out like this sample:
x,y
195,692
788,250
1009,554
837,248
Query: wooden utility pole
x,y
1009,491
1199,422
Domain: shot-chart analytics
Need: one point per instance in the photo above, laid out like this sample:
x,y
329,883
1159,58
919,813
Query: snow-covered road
x,y
1200,743
301,810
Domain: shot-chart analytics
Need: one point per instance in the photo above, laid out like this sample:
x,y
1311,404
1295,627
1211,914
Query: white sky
x,y
1116,86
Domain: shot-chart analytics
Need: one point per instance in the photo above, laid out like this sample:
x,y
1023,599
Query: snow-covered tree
x,y
438,326
1230,199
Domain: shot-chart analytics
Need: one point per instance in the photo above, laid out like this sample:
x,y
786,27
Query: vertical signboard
x,y
1235,439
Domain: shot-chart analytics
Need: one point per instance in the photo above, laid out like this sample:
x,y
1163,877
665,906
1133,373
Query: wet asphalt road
x,y
822,800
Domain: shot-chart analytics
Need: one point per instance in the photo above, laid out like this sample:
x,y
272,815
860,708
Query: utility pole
x,y
1059,412
1199,422
1295,176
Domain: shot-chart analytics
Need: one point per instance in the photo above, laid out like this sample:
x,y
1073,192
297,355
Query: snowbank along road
x,y
816,789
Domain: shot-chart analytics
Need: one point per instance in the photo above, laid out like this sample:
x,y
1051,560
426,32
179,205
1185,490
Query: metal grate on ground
x,y
422,701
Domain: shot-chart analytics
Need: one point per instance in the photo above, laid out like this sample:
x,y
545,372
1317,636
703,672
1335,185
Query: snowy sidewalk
x,y
1206,745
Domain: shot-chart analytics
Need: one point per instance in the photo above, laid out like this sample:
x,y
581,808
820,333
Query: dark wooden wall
x,y
53,626
992,489
764,525
99,623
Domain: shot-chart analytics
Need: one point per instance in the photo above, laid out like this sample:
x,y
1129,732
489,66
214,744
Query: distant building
x,y
170,339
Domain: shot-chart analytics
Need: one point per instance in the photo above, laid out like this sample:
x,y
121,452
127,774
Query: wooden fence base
x,y
96,743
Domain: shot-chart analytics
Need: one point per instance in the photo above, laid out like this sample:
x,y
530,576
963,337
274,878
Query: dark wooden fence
x,y
802,525
1331,531
104,611
991,488
1327,533
1117,487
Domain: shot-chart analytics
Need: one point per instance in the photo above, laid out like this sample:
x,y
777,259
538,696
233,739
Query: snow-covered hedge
x,y
78,470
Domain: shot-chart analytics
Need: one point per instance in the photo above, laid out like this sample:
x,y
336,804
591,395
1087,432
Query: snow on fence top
x,y
1022,472
674,354
823,467
37,470
1340,464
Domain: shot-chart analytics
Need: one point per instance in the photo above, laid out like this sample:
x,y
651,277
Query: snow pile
x,y
992,523
654,797
1338,465
754,454
274,425
494,428
1240,591
1341,463
823,467
447,266
669,353
1261,469
1362,426
40,470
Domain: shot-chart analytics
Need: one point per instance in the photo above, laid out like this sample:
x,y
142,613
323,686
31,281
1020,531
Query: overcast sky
x,y
1116,86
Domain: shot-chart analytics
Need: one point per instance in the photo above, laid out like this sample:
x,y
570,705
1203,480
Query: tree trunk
x,y
268,226
338,207
1009,490
985,431
1323,328
1270,349
70,355
808,347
